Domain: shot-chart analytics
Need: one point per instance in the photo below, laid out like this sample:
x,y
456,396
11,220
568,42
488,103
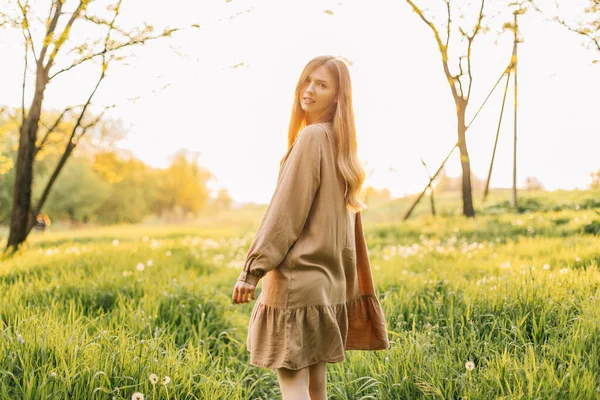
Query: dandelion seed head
x,y
153,379
137,396
115,242
166,380
149,263
546,266
140,267
470,365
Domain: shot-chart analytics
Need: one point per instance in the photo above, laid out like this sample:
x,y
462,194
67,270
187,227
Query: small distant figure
x,y
42,222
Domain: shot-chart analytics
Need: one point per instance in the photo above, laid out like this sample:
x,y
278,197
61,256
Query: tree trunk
x,y
465,162
51,181
21,217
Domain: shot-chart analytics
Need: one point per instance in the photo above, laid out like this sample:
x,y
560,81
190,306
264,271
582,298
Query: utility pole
x,y
513,201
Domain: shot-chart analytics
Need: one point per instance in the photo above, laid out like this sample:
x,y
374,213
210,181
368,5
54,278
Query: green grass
x,y
515,294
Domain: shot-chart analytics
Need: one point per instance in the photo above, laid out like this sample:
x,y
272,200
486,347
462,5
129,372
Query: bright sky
x,y
237,117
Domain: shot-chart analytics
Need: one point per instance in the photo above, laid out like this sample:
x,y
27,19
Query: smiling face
x,y
318,94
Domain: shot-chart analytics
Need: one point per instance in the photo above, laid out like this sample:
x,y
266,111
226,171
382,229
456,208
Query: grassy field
x,y
505,306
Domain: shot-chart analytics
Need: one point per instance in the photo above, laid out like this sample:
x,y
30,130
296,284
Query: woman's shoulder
x,y
314,129
319,131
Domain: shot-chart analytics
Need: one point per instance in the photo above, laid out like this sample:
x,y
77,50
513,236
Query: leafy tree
x,y
49,148
222,200
533,183
183,184
77,193
132,190
57,52
374,195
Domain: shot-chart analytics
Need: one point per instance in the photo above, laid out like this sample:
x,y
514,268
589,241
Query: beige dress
x,y
318,297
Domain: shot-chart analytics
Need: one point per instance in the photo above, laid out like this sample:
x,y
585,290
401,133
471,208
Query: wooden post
x,y
513,201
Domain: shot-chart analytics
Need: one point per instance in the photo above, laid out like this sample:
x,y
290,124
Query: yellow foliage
x,y
6,164
110,166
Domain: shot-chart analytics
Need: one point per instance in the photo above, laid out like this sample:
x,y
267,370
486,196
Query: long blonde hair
x,y
343,124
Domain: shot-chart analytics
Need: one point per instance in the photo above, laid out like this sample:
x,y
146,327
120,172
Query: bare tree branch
x,y
64,35
593,7
429,23
460,75
94,122
583,32
4,20
449,22
443,49
470,39
24,83
51,130
106,51
25,27
70,144
50,28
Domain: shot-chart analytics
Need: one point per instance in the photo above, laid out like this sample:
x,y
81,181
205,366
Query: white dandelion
x,y
563,270
166,380
137,396
470,365
140,267
153,379
115,242
149,263
546,266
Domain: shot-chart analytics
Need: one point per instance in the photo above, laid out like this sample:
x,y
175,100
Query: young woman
x,y
318,297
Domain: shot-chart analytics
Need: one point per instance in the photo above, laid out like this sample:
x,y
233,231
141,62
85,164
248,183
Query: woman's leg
x,y
293,383
317,382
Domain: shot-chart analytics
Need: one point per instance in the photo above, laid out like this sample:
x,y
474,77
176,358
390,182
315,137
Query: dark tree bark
x,y
21,218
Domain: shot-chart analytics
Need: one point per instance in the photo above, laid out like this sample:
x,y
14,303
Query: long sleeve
x,y
298,181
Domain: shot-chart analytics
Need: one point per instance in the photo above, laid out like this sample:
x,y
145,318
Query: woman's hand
x,y
243,292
